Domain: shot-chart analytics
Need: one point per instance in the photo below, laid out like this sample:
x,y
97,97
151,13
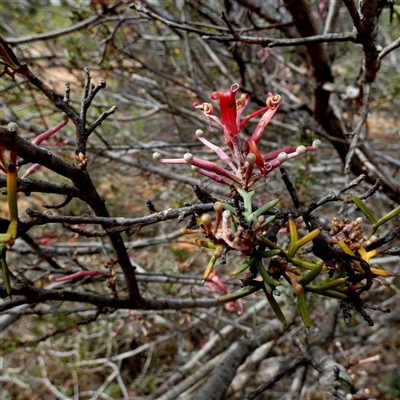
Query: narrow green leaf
x,y
209,268
206,244
275,307
311,275
6,237
230,208
265,208
328,293
247,196
269,220
270,244
387,218
238,295
264,274
4,269
268,253
303,308
243,266
307,238
328,285
293,237
364,209
302,263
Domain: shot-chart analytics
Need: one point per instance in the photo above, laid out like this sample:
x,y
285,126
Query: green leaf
x,y
4,269
243,266
328,293
209,268
238,295
265,275
303,308
364,209
229,208
293,237
303,264
307,238
269,220
268,253
275,307
265,208
311,275
328,285
386,218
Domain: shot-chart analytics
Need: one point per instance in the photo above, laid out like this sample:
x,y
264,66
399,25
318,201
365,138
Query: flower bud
x,y
206,219
218,206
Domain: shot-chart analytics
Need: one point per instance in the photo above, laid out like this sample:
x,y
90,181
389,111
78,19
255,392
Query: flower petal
x,y
227,103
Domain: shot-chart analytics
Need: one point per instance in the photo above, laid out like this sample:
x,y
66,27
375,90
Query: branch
x,y
274,42
390,48
37,295
38,218
365,21
357,131
59,32
87,192
289,367
235,37
30,152
223,374
28,186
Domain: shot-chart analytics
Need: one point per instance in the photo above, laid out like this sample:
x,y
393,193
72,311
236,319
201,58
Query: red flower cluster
x,y
242,160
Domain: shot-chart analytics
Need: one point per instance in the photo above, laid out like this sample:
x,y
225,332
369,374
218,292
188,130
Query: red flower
x,y
227,103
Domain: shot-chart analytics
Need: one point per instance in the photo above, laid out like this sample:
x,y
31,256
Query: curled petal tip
x,y
235,87
207,108
273,100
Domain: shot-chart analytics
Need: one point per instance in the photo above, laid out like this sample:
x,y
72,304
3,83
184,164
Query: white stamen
x,y
157,156
282,157
188,157
226,214
251,158
301,150
316,143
